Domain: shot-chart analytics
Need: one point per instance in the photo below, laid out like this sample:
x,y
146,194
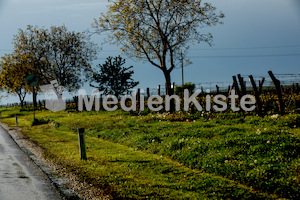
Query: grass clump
x,y
39,121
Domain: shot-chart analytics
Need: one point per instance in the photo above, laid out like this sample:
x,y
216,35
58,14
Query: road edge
x,y
60,184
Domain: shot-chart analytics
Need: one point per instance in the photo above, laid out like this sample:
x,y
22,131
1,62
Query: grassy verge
x,y
139,157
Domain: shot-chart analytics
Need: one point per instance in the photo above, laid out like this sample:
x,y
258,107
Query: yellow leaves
x,y
13,72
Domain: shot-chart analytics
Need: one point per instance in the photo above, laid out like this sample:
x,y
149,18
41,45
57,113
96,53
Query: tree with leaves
x,y
57,54
54,53
158,31
113,78
13,72
70,54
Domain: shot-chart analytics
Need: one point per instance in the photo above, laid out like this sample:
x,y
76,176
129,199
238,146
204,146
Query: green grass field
x,y
164,156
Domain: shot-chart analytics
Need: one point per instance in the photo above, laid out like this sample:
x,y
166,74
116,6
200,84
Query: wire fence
x,y
286,80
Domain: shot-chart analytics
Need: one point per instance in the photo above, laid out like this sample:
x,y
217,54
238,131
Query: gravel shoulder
x,y
65,182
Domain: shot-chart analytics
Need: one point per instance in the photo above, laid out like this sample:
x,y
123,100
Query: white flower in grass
x,y
274,116
258,131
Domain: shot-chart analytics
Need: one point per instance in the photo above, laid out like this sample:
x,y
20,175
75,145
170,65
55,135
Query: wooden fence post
x,y
148,92
158,90
242,84
172,102
278,91
260,84
101,102
237,90
256,94
228,90
236,86
82,148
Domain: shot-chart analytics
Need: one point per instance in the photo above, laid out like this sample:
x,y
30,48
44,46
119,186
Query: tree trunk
x,y
168,82
21,97
21,100
169,90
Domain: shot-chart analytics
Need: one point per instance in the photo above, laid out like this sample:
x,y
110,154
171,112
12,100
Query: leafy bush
x,y
190,86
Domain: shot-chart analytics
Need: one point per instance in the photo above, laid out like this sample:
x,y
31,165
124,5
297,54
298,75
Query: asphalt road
x,y
20,177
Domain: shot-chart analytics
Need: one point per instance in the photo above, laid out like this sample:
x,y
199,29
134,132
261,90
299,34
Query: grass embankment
x,y
227,156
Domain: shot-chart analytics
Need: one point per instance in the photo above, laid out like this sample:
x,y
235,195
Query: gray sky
x,y
252,30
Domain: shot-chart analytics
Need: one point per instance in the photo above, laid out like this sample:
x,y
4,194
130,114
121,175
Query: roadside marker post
x,y
16,120
82,148
32,80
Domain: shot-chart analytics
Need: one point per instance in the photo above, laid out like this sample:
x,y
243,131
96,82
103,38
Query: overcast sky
x,y
257,36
